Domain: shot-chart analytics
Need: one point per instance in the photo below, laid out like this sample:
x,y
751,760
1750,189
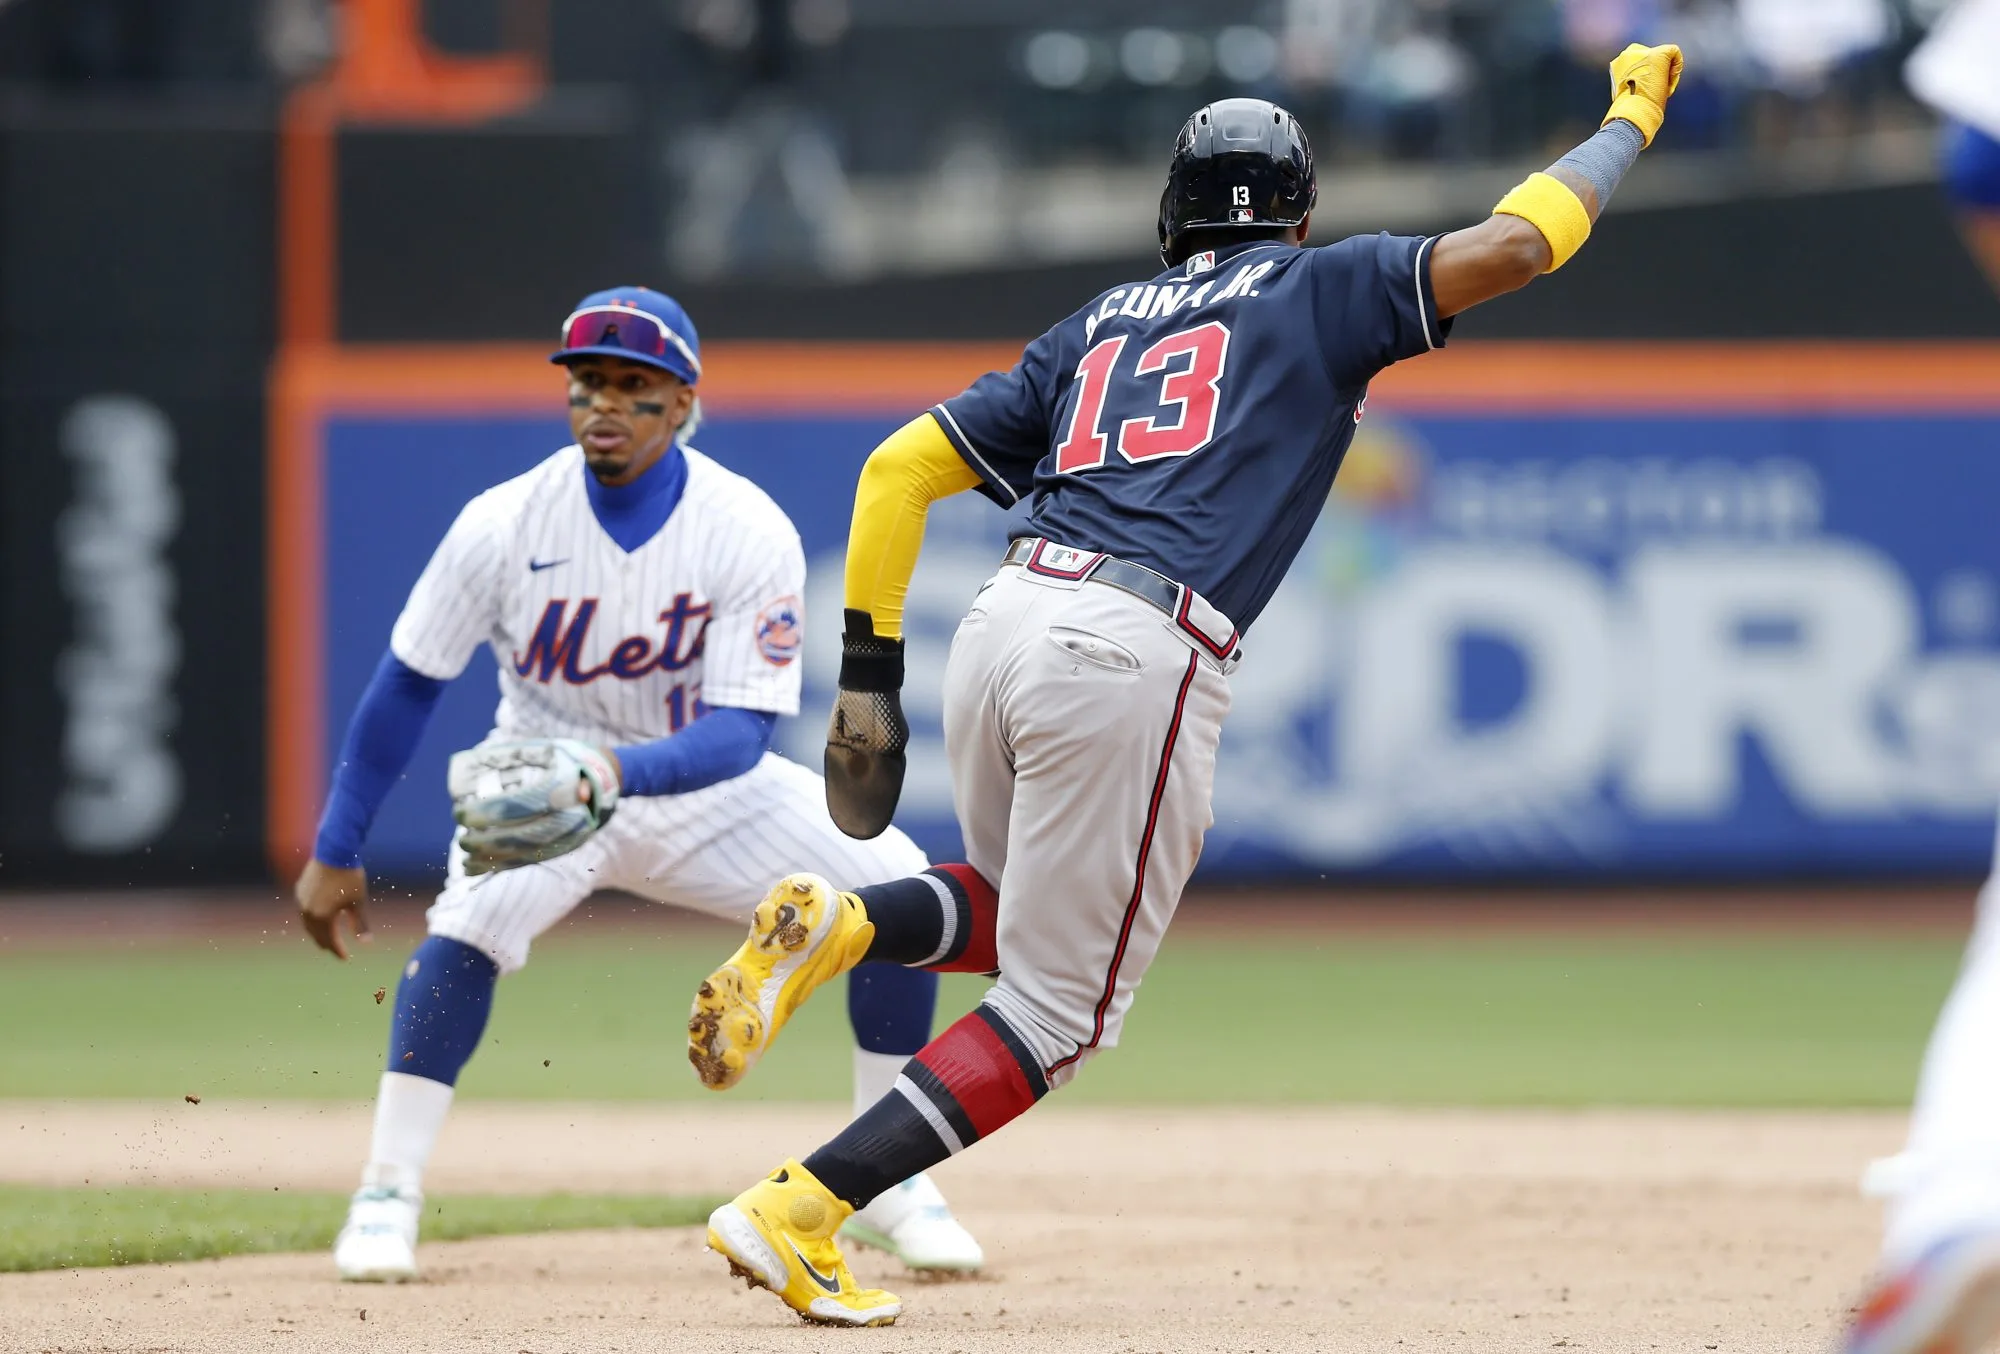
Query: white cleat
x,y
913,1223
1948,1302
379,1242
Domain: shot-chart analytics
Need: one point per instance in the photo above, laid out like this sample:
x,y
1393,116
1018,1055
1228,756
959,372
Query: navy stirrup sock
x,y
891,1007
942,919
966,1083
441,1009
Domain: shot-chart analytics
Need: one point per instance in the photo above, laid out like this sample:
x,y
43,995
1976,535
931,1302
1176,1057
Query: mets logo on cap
x,y
780,631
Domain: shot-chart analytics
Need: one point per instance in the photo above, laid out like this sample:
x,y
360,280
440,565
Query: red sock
x,y
978,1074
941,919
972,947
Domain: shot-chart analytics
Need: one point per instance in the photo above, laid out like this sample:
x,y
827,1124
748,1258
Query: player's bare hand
x,y
324,893
1642,80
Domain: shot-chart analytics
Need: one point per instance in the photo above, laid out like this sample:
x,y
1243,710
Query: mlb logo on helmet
x,y
780,632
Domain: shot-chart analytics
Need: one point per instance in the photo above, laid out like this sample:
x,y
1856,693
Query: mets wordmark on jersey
x,y
599,643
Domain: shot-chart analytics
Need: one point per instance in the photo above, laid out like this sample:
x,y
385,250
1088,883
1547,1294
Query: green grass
x,y
1722,1020
54,1228
1627,1019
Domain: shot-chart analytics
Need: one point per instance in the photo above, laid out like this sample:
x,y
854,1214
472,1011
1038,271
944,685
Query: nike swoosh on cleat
x,y
535,566
830,1285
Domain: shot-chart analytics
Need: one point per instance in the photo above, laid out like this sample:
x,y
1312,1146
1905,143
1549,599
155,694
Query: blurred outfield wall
x,y
1702,608
1655,610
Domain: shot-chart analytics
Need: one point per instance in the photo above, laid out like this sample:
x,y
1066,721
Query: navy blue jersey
x,y
1194,423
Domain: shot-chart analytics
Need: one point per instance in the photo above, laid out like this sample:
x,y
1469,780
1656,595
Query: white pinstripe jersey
x,y
595,643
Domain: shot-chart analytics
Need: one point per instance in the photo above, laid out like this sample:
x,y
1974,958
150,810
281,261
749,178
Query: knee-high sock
x,y
1952,1161
891,1009
409,1114
441,1008
963,1085
942,920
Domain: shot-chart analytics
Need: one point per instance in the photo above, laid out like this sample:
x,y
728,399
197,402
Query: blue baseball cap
x,y
637,324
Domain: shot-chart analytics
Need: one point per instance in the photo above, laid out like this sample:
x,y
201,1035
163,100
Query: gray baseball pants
x,y
1081,723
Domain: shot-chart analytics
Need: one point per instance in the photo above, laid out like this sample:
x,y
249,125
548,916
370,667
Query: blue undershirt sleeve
x,y
382,735
1972,168
724,743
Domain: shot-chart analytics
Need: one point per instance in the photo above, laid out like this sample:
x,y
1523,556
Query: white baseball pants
x,y
716,850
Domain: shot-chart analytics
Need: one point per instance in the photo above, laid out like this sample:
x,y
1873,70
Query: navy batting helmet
x,y
1238,162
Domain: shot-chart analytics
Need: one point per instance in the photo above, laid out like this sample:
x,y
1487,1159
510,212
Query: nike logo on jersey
x,y
831,1285
535,566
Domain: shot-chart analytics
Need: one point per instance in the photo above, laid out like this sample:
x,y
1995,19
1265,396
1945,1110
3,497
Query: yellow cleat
x,y
804,933
778,1234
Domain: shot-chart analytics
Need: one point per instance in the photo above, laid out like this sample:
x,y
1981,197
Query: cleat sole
x,y
729,1027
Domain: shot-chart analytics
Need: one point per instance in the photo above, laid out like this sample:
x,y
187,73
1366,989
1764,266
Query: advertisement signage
x,y
1521,640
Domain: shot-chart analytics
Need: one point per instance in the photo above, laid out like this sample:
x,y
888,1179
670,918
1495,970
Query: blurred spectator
x,y
68,42
784,131
122,44
766,187
298,36
1597,30
1797,44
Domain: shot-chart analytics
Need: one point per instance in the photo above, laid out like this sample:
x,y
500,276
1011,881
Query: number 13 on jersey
x,y
1193,362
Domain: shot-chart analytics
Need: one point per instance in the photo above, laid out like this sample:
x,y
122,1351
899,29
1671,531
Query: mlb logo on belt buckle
x,y
1062,561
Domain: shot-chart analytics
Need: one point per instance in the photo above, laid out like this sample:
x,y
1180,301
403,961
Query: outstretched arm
x,y
1537,227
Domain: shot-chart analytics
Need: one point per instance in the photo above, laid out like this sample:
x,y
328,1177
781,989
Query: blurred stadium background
x,y
1628,734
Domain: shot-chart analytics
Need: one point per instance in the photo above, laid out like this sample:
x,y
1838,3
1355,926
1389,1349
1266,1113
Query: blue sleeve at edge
x,y
384,732
1972,168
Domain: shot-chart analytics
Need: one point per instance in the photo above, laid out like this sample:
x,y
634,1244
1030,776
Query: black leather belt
x,y
1136,579
1182,604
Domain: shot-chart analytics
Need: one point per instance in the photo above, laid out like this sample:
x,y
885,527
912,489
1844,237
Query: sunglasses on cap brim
x,y
635,331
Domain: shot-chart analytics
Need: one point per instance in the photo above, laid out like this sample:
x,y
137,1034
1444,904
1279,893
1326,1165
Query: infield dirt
x,y
1123,1231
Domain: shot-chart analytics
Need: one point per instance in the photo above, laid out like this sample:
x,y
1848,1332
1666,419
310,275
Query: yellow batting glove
x,y
1642,80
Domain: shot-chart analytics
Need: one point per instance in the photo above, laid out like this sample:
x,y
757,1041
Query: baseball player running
x,y
643,603
1176,437
1940,1291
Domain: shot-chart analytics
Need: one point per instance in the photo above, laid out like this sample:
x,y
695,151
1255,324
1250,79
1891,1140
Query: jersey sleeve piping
x,y
1426,310
998,489
746,696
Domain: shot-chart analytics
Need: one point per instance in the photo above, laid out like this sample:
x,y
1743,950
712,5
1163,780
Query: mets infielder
x,y
1176,437
1940,1292
643,603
